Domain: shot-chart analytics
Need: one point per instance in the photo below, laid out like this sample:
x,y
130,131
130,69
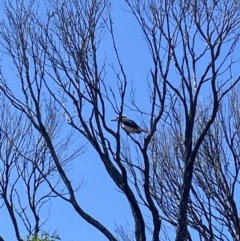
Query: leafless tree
x,y
213,201
26,168
165,174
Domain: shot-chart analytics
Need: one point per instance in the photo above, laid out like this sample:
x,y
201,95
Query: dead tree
x,y
27,168
191,45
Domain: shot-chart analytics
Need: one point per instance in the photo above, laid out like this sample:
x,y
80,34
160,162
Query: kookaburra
x,y
130,126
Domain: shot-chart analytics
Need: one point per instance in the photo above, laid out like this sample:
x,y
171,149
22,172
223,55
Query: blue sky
x,y
99,196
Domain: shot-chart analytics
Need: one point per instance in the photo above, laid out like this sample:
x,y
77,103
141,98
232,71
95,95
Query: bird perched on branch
x,y
130,126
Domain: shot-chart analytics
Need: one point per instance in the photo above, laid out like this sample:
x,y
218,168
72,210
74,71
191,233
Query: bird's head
x,y
118,118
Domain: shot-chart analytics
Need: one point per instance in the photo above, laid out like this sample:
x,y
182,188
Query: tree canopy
x,y
180,180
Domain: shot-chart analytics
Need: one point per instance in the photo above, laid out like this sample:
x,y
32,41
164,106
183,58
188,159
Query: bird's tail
x,y
143,130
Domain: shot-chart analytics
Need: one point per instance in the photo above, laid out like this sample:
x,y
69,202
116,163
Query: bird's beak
x,y
114,119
